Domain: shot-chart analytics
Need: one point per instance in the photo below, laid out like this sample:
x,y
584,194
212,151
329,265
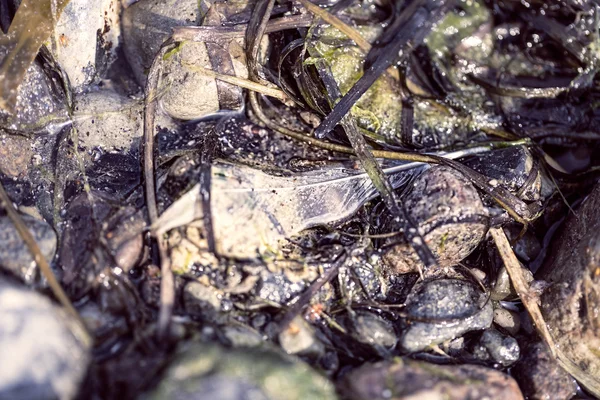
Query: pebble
x,y
498,348
453,307
299,338
450,216
507,320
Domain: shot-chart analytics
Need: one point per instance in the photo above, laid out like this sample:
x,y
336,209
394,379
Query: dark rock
x,y
450,216
540,376
571,304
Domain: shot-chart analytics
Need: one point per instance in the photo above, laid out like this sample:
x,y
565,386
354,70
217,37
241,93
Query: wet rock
x,y
503,289
571,304
14,254
87,36
442,310
408,379
497,348
373,330
209,371
450,216
540,377
513,168
190,93
44,354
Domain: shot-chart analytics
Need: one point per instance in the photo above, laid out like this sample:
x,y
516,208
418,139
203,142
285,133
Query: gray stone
x,y
444,309
147,24
186,91
39,107
44,354
498,348
104,119
14,254
299,338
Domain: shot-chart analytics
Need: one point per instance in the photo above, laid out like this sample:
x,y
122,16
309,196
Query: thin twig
x,y
515,272
340,25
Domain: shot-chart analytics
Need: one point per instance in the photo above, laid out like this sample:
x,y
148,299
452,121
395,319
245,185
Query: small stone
x,y
508,320
14,254
44,353
107,120
372,329
541,377
498,348
407,379
453,306
450,216
40,106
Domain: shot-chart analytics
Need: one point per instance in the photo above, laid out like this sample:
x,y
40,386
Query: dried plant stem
x,y
37,255
517,278
167,285
241,82
337,23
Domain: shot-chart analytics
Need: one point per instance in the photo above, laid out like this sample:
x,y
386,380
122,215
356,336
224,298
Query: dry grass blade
x,y
38,257
338,24
167,283
225,34
31,27
521,287
241,82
